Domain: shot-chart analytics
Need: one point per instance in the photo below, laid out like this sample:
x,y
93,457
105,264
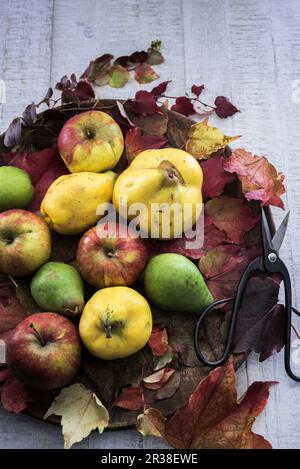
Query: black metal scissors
x,y
268,262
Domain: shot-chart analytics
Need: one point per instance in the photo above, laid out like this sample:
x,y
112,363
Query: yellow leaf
x,y
151,423
81,412
204,140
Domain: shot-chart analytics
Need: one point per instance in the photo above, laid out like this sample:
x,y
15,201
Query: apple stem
x,y
43,343
107,329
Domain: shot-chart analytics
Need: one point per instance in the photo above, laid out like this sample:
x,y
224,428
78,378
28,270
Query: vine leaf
x,y
81,412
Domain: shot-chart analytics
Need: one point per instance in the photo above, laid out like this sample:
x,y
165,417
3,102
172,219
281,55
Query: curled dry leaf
x,y
223,267
214,419
81,412
144,73
170,388
136,142
158,379
130,398
151,423
163,360
204,140
232,215
224,108
215,177
158,341
260,179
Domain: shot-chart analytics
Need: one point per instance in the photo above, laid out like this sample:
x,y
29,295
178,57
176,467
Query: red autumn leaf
x,y
224,108
184,106
160,89
44,167
84,91
261,323
223,267
159,378
15,395
214,419
215,177
212,237
135,143
144,103
130,398
144,73
232,215
158,341
260,179
11,310
197,90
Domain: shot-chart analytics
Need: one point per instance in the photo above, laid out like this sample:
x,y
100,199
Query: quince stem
x,y
171,173
107,329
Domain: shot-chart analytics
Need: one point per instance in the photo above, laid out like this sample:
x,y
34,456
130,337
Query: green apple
x,y
16,189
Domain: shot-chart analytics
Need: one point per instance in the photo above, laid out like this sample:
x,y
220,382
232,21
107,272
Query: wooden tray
x,y
192,371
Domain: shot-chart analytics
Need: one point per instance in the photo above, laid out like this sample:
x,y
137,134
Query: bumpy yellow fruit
x,y
71,202
168,182
115,323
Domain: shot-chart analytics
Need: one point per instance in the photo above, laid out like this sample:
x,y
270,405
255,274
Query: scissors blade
x,y
266,235
280,233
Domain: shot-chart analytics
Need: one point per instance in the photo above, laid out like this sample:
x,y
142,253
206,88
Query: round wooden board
x,y
106,377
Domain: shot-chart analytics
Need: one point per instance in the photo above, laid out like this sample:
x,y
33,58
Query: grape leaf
x,y
119,76
11,310
224,108
232,215
144,73
143,103
261,323
214,419
215,177
184,106
15,395
160,89
223,267
259,178
131,398
151,423
81,412
136,142
197,90
204,140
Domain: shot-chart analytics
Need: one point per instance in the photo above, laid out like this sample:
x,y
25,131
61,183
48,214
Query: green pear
x,y
16,189
58,288
173,283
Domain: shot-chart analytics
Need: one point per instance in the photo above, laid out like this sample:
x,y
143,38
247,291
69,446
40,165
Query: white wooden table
x,y
247,50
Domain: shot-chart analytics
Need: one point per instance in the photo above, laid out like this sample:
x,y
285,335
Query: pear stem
x,y
42,341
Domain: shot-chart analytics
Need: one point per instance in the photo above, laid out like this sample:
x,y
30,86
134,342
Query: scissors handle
x,y
288,311
254,265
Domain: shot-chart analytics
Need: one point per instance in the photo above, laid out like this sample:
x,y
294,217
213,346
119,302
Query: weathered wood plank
x,y
26,54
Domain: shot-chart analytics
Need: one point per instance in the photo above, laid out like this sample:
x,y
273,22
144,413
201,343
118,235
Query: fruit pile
x,y
104,298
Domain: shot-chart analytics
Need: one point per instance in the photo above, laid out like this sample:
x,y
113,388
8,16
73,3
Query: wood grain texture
x,y
248,51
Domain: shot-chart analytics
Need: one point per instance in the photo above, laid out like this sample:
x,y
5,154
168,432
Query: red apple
x,y
91,141
109,255
25,242
44,351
